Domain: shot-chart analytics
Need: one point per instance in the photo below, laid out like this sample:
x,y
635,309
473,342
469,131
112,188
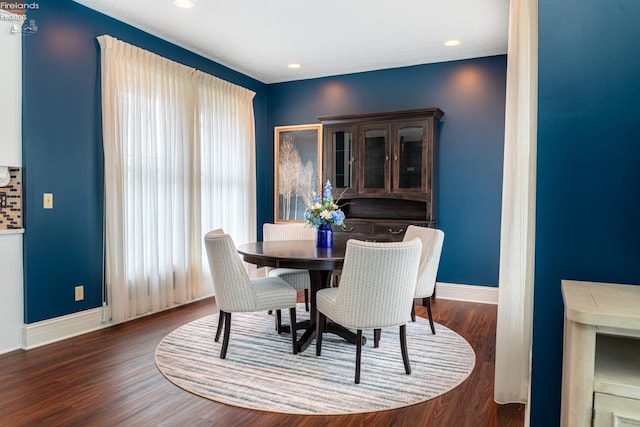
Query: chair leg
x,y
428,304
413,312
279,321
376,337
335,278
320,319
358,354
220,323
306,300
403,347
294,336
270,312
227,331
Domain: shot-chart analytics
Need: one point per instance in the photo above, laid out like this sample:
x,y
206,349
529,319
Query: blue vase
x,y
325,237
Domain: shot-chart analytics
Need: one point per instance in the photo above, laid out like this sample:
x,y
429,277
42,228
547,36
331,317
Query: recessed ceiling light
x,y
185,4
452,43
294,66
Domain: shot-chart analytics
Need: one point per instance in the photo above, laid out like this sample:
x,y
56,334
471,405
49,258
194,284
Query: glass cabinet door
x,y
409,156
342,150
339,156
375,158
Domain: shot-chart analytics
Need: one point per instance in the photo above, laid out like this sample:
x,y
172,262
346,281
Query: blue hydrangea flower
x,y
323,211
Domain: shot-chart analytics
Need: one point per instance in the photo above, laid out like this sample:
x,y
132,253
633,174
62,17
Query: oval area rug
x,y
261,373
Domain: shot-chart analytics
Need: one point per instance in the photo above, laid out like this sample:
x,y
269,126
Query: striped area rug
x,y
261,373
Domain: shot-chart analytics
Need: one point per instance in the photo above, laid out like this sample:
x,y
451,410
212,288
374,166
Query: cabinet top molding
x,y
436,113
602,304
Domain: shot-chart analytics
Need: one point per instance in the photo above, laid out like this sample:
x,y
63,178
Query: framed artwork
x,y
297,171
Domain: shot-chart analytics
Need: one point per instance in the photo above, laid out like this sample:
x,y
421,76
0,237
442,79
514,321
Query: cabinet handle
x,y
395,158
386,158
350,229
396,232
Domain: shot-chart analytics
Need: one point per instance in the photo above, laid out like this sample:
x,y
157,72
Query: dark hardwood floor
x,y
109,378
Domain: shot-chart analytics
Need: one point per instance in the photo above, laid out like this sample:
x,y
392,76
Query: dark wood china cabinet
x,y
385,166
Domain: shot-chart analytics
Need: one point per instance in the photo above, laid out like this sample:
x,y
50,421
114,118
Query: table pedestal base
x,y
332,328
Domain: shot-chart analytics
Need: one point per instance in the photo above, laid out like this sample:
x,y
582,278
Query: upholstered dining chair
x,y
235,292
376,290
432,240
298,279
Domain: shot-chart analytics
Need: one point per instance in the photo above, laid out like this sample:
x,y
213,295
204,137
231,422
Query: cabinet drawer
x,y
355,227
374,230
394,228
389,232
353,230
610,411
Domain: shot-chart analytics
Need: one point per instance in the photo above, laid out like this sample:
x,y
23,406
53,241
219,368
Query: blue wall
x,y
588,205
62,150
588,195
471,93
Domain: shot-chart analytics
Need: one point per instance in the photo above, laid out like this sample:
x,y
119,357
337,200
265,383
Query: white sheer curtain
x,y
515,301
228,179
155,190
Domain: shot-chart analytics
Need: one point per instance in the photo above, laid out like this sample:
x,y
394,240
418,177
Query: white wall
x,y
11,279
11,302
10,93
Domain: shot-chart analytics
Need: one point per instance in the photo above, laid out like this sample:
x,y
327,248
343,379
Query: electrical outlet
x,y
79,293
47,200
3,200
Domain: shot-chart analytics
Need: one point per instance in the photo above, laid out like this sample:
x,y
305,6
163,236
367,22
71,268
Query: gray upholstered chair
x,y
298,279
376,290
236,293
432,240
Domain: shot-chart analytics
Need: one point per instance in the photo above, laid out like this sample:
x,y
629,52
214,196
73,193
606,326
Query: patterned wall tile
x,y
11,201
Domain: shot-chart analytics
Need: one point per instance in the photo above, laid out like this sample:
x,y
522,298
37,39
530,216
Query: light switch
x,y
47,200
79,291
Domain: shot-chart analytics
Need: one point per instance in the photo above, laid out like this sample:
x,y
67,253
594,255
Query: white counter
x,y
12,231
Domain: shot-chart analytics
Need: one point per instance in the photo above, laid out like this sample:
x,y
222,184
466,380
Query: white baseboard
x,y
63,327
470,293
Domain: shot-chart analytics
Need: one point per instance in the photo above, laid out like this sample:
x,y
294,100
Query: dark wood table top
x,y
301,254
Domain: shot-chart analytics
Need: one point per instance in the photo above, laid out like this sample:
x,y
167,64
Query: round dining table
x,y
304,255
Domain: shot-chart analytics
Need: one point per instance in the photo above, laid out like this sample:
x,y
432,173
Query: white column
x,y
577,374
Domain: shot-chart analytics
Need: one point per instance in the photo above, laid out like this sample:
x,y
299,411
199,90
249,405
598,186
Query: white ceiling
x,y
259,38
